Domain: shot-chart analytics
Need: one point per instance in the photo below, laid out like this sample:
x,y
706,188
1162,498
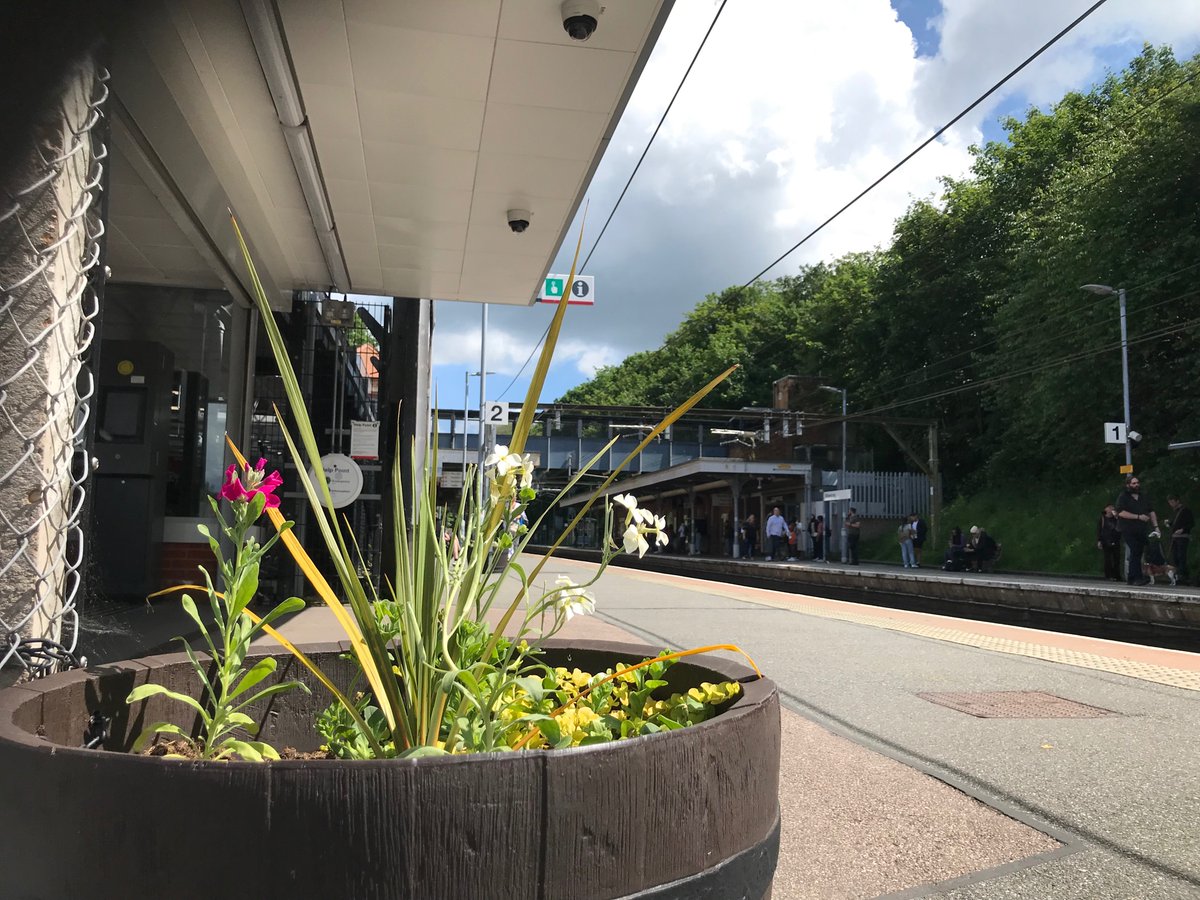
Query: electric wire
x,y
657,128
906,383
1165,331
954,121
504,393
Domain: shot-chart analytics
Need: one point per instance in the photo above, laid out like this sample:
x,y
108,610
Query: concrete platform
x,y
1157,612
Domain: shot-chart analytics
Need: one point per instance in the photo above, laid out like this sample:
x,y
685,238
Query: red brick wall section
x,y
180,564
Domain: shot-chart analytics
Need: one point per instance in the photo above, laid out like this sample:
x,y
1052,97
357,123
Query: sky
x,y
792,109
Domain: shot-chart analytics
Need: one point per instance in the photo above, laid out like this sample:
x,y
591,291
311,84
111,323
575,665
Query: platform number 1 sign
x,y
495,413
1114,433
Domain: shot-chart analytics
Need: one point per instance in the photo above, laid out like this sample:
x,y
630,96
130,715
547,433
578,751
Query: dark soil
x,y
186,750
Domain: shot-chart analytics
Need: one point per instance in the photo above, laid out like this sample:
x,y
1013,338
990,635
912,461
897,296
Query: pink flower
x,y
255,482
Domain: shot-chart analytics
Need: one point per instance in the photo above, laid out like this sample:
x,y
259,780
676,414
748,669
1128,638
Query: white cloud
x,y
791,110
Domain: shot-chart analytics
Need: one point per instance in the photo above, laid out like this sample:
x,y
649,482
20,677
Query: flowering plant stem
x,y
230,685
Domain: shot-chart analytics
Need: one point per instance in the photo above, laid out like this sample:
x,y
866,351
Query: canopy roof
x,y
372,146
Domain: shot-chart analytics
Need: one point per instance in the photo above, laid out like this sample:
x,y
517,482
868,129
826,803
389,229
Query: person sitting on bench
x,y
954,561
980,550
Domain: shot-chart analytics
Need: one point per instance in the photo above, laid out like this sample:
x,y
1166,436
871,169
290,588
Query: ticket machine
x,y
133,416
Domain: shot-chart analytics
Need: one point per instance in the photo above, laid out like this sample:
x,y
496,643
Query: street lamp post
x,y
842,476
1104,290
467,376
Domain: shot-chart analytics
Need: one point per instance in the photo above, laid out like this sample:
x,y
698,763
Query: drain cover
x,y
1015,705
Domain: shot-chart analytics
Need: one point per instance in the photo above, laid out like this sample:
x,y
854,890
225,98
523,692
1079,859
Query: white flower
x,y
660,528
572,599
499,452
632,514
527,471
633,539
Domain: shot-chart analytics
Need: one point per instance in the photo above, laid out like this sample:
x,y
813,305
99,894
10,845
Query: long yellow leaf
x,y
325,592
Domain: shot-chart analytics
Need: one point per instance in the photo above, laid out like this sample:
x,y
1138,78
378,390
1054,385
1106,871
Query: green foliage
x,y
230,687
973,315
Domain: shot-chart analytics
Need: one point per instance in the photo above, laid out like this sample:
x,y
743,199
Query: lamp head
x,y
1102,289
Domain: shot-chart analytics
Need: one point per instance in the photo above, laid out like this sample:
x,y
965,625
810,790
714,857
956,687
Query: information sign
x,y
582,290
344,476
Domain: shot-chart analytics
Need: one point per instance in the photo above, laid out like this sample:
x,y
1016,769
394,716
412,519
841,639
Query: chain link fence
x,y
51,230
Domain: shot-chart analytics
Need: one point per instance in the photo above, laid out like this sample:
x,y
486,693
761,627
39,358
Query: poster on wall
x,y
364,440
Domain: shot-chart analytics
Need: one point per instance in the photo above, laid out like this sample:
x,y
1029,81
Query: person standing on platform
x,y
920,531
1136,517
750,536
795,540
776,535
1108,542
819,539
904,535
853,527
1181,536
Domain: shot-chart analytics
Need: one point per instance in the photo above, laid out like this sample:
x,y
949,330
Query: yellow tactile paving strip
x,y
1048,647
1180,678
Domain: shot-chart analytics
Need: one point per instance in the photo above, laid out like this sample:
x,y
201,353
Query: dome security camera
x,y
518,219
580,18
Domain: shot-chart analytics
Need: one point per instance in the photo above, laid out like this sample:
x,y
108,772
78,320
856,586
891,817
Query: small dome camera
x,y
580,18
518,219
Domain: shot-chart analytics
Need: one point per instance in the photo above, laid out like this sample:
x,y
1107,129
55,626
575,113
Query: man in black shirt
x,y
1136,517
1181,536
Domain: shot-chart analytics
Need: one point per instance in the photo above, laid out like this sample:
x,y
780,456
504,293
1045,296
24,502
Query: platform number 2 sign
x,y
1114,433
495,413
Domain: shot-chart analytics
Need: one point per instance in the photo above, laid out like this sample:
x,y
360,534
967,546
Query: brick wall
x,y
180,561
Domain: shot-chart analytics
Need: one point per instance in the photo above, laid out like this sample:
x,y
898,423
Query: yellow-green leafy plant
x,y
435,678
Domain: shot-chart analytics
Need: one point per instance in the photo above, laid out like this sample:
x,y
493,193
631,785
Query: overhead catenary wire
x,y
907,381
933,137
1165,331
657,128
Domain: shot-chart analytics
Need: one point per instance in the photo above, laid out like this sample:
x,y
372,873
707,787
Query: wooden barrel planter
x,y
686,814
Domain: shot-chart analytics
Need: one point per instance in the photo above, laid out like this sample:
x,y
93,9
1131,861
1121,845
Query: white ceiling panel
x,y
441,261
419,283
316,36
571,78
449,66
473,17
411,232
428,204
540,131
414,119
528,176
332,111
349,196
391,163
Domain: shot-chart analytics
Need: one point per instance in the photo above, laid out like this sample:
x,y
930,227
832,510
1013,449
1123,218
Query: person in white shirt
x,y
777,531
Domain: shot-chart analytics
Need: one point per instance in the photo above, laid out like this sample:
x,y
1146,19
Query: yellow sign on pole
x,y
1126,470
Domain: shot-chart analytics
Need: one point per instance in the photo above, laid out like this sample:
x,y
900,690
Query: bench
x,y
989,565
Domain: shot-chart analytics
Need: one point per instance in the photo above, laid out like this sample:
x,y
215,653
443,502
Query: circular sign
x,y
581,288
344,476
125,367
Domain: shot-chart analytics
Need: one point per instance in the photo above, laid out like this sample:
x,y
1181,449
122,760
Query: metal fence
x,y
51,232
888,495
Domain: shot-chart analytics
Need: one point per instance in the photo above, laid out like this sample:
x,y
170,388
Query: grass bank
x,y
1040,529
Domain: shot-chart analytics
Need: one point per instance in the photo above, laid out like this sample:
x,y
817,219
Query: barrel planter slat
x,y
685,814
